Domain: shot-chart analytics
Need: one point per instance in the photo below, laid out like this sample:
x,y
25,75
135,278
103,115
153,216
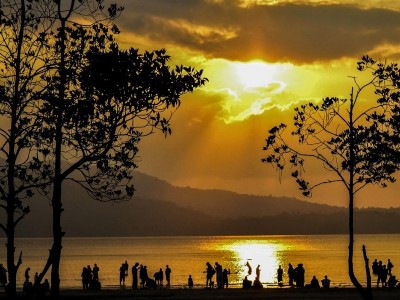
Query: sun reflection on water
x,y
263,253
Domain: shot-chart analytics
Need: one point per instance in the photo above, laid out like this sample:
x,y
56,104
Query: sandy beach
x,y
233,293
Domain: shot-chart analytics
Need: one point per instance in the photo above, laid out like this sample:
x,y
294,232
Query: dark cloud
x,y
287,32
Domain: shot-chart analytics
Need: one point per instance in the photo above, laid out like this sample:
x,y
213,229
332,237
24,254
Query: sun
x,y
255,73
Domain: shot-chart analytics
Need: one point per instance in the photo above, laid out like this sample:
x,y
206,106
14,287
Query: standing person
x,y
122,275
190,282
389,267
96,272
379,273
280,275
209,274
375,267
27,274
141,276
258,271
161,277
384,275
168,275
36,283
291,273
145,275
126,268
225,278
300,276
84,278
135,280
218,271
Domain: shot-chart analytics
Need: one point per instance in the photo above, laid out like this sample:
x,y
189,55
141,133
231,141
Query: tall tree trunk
x,y
353,278
11,160
57,189
367,271
57,241
12,272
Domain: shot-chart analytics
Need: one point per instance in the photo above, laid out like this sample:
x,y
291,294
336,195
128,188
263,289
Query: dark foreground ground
x,y
234,293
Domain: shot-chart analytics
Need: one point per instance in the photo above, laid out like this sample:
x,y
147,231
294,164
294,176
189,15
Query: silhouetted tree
x,y
24,30
358,144
97,106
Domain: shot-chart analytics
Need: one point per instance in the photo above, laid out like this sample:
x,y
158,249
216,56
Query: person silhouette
x,y
257,283
135,280
390,267
291,272
314,282
27,274
122,275
3,275
209,274
225,278
326,282
95,272
300,275
218,271
126,268
375,267
168,275
280,275
190,282
249,270
246,283
392,281
258,271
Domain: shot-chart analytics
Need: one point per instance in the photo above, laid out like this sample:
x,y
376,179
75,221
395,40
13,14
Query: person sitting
x,y
151,284
326,282
246,283
314,282
392,281
257,283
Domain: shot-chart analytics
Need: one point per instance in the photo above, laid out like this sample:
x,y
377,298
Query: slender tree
x,y
24,31
98,105
356,142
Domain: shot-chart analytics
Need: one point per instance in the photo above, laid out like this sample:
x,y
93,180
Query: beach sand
x,y
233,293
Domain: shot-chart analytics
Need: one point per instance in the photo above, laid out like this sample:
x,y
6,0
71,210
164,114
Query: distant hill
x,y
160,209
225,204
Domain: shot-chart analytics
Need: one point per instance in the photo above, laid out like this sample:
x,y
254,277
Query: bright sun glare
x,y
255,74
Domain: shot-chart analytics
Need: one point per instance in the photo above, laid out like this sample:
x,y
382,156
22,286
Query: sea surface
x,y
320,254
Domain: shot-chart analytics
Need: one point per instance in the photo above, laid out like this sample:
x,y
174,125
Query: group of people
x,y
90,278
221,276
383,272
36,287
246,284
296,278
140,272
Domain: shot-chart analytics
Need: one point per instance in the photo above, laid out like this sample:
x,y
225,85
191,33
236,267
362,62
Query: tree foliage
x,y
356,141
98,102
24,32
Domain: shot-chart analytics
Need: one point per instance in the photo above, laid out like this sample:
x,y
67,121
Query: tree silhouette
x,y
24,31
357,144
98,104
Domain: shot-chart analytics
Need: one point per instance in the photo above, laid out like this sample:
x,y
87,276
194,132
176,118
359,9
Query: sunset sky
x,y
262,58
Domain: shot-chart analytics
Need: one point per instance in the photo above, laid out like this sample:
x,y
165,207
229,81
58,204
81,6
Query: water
x,y
321,255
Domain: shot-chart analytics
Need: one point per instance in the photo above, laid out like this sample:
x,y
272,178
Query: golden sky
x,y
262,58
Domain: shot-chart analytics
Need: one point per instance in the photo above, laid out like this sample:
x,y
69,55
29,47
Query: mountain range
x,y
160,209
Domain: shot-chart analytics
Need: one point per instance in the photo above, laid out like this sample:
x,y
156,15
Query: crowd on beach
x,y
142,280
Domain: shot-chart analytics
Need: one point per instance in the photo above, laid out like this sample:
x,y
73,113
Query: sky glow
x,y
262,58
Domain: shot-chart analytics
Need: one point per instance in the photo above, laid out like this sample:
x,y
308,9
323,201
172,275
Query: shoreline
x,y
230,293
